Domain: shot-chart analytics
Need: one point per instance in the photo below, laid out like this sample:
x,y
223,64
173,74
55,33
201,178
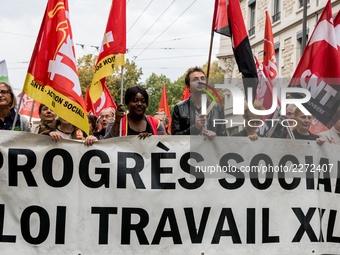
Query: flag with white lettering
x,y
52,76
112,49
3,71
228,21
319,71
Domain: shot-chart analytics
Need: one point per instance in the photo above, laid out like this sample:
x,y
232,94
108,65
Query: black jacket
x,y
184,117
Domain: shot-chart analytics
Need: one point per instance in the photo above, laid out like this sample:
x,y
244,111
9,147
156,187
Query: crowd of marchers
x,y
129,118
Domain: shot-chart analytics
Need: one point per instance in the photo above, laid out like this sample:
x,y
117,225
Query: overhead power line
x,y
166,28
153,24
140,15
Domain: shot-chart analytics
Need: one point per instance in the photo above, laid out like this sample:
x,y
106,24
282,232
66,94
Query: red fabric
x,y
153,122
52,76
88,102
269,58
186,93
319,70
26,106
164,106
116,25
105,101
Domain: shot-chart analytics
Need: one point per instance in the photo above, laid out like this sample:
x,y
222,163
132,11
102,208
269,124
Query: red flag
x,y
319,71
264,91
186,93
113,48
52,76
27,105
269,58
337,27
104,101
88,102
164,106
228,20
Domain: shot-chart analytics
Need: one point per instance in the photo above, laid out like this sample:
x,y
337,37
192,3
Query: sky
x,y
163,36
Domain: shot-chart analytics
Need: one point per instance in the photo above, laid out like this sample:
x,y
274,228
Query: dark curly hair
x,y
132,92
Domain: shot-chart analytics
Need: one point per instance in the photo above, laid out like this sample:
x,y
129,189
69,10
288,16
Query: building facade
x,y
287,26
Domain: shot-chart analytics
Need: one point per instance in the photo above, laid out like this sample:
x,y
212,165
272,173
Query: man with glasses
x,y
105,116
187,116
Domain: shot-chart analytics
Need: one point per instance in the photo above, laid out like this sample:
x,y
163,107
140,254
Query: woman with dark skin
x,y
135,122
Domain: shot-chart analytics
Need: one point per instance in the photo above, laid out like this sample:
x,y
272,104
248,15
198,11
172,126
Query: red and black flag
x,y
228,21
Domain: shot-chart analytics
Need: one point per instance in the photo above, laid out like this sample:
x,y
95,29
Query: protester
x,y
92,123
164,119
105,116
46,116
135,122
251,122
62,129
282,130
301,130
187,117
332,135
7,111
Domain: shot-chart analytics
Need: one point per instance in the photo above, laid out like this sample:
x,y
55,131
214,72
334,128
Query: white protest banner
x,y
163,195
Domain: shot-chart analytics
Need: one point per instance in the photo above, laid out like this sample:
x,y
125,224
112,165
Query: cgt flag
x,y
105,101
269,58
228,21
112,49
319,71
52,76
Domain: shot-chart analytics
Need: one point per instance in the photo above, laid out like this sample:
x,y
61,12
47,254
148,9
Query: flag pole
x,y
209,57
121,96
17,111
304,26
31,113
121,84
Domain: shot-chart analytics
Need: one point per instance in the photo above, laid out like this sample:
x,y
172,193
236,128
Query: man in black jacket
x,y
187,117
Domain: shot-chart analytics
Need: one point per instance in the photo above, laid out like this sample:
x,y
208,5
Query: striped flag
x,y
52,76
228,21
112,49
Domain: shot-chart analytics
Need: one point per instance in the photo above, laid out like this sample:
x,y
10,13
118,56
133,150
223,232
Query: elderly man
x,y
105,116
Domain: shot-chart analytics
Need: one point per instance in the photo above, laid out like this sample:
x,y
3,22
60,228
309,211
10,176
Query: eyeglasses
x,y
105,117
4,92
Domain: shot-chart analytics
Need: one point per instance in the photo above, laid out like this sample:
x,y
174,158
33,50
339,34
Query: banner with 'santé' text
x,y
168,195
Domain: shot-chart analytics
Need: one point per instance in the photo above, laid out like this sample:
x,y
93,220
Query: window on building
x,y
299,42
277,56
277,11
252,5
301,3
